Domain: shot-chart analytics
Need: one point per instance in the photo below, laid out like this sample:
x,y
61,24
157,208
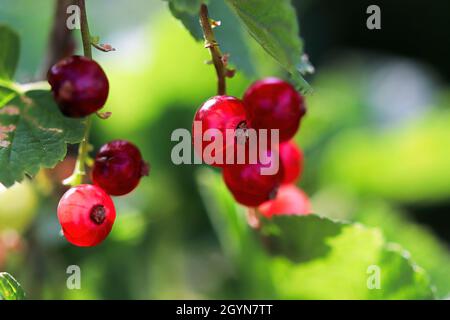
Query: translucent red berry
x,y
118,167
272,103
290,200
79,85
86,214
291,158
211,122
250,185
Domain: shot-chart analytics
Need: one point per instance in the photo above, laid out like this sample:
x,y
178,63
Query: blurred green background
x,y
376,140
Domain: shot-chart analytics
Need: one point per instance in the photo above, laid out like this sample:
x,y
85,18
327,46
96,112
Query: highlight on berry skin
x,y
212,121
79,85
119,167
86,214
272,103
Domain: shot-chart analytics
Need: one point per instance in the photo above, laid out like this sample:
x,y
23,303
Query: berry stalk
x,y
85,34
213,46
83,149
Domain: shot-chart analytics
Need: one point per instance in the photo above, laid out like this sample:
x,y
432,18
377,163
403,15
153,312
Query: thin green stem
x,y
39,85
213,46
10,85
85,34
21,89
83,149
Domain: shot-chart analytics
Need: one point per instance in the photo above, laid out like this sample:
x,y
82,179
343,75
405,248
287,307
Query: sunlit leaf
x,y
274,26
33,134
311,257
10,289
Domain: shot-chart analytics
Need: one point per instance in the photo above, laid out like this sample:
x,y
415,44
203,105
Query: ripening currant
x,y
291,158
272,103
79,85
250,184
118,167
86,214
211,122
290,200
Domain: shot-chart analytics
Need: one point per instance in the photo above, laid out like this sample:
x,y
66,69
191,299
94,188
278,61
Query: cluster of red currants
x,y
268,104
86,212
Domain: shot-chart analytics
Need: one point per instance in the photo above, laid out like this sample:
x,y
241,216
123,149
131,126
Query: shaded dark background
x,y
419,30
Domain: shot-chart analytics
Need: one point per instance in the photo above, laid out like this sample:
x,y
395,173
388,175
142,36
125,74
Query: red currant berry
x,y
79,85
86,214
290,200
118,167
291,158
251,186
272,103
211,122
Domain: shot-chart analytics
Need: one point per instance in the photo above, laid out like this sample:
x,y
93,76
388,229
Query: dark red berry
x,y
215,116
79,85
118,167
272,103
86,214
291,158
249,185
290,200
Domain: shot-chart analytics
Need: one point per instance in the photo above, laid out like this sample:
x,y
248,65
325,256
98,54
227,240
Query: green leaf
x,y
229,34
6,95
189,18
33,134
303,248
310,257
344,269
10,289
187,12
191,7
274,26
9,52
429,252
232,38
